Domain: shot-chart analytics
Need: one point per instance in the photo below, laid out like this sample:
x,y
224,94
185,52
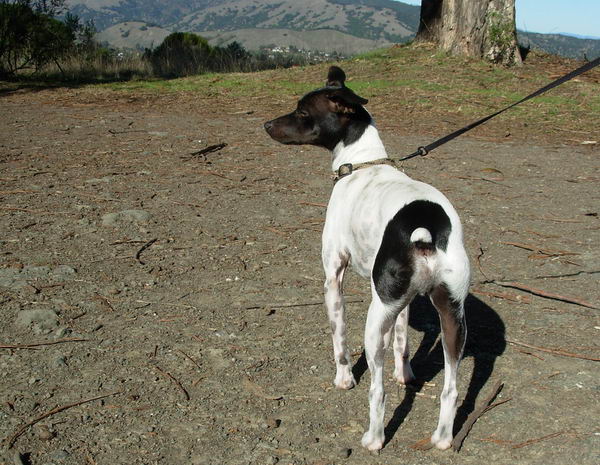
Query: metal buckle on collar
x,y
345,170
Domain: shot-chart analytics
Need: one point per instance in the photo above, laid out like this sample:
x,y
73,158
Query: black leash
x,y
422,151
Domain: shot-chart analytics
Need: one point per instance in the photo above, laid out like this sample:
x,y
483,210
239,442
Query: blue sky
x,y
580,17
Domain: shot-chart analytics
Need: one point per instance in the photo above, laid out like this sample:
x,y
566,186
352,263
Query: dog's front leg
x,y
334,301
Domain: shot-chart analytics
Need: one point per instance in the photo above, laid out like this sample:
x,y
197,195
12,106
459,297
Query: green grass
x,y
432,84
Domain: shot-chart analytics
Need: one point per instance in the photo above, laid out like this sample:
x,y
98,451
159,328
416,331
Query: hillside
x,y
325,40
378,21
133,35
560,44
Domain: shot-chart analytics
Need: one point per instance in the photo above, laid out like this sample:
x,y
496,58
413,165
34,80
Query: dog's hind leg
x,y
378,331
454,331
402,372
334,301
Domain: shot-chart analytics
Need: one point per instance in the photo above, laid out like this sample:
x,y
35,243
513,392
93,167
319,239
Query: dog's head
x,y
323,117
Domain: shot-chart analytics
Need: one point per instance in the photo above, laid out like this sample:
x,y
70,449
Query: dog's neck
x,y
367,147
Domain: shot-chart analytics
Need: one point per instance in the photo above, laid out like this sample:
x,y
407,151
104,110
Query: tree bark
x,y
478,28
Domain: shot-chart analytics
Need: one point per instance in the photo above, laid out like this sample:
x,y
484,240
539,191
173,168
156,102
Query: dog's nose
x,y
268,125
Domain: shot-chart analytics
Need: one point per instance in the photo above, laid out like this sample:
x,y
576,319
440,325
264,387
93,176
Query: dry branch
x,y
554,351
190,359
144,247
175,381
209,149
545,294
29,346
533,441
54,411
503,295
541,250
475,415
302,304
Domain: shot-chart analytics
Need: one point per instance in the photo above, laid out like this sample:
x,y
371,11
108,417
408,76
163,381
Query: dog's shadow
x,y
485,342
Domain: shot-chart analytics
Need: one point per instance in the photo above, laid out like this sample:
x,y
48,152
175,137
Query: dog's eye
x,y
302,113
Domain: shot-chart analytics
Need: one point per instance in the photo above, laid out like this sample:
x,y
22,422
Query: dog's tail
x,y
422,239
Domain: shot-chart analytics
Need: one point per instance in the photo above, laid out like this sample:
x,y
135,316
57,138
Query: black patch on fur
x,y
394,264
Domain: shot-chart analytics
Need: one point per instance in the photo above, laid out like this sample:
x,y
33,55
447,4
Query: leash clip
x,y
422,151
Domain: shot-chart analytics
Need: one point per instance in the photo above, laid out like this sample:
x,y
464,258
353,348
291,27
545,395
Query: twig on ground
x,y
314,204
530,353
54,411
29,346
257,390
209,149
144,247
554,351
567,275
545,294
503,295
175,381
475,415
213,173
541,250
302,304
481,254
190,359
533,441
146,302
104,301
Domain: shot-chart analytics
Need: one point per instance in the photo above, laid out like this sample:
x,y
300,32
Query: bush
x,y
181,54
30,39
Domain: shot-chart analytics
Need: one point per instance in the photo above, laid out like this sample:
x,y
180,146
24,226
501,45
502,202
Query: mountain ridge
x,y
379,21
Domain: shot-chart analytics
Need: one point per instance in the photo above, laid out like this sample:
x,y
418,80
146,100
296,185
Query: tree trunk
x,y
478,28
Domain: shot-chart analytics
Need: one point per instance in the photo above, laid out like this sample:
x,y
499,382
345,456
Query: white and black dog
x,y
402,234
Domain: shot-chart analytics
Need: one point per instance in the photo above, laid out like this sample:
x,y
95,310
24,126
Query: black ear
x,y
347,97
336,77
346,101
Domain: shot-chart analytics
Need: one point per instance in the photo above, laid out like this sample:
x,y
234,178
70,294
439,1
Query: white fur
x,y
361,206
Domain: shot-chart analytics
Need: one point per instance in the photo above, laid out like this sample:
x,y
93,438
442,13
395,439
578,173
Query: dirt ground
x,y
189,290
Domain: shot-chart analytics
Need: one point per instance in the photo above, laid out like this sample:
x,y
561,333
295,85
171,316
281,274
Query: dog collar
x,y
348,168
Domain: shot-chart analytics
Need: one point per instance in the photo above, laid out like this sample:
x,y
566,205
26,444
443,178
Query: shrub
x,y
181,54
30,39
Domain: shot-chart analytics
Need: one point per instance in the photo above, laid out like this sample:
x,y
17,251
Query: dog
x,y
402,234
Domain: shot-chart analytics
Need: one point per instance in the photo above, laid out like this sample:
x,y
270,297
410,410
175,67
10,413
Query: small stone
x,y
345,452
62,332
113,291
60,455
42,320
59,362
64,271
272,422
125,217
44,433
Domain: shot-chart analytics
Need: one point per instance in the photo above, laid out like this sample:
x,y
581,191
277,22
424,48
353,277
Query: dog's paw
x,y
344,380
404,375
440,442
371,442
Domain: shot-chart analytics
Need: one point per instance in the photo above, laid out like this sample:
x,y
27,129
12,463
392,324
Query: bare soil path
x,y
193,286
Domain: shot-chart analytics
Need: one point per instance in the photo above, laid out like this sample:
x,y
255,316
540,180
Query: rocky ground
x,y
187,289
